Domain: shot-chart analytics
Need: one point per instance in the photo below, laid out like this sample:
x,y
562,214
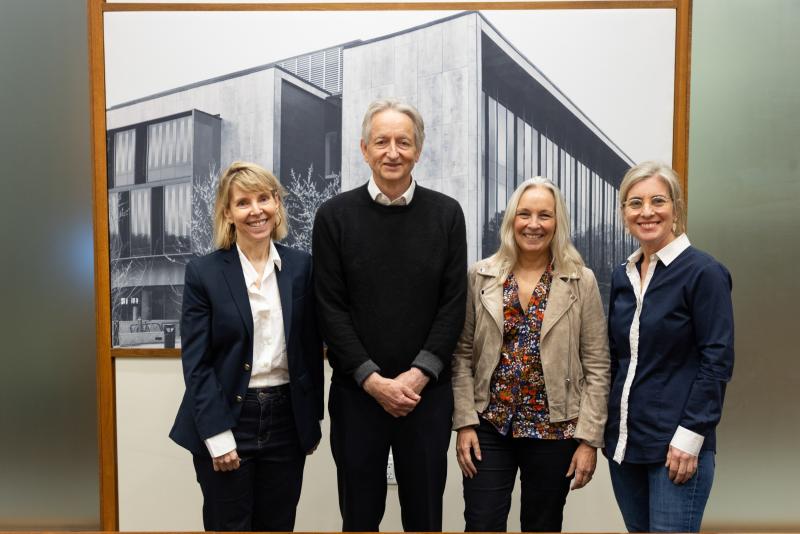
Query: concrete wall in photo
x,y
437,69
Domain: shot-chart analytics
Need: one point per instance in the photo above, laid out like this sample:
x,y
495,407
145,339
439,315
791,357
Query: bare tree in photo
x,y
305,196
204,192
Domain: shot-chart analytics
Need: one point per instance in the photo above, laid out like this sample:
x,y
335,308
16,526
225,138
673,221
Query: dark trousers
x,y
262,494
543,465
361,435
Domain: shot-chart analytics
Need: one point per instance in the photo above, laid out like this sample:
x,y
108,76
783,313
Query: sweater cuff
x,y
428,363
688,441
364,370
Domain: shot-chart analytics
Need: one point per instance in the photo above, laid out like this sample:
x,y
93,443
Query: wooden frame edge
x,y
680,125
415,6
145,353
106,401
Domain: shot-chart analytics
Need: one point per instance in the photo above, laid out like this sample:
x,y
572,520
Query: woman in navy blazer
x,y
252,361
670,327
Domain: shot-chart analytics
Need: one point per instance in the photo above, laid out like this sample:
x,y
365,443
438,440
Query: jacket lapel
x,y
234,277
558,302
284,275
492,293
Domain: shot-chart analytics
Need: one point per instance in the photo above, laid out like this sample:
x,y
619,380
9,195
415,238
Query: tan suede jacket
x,y
574,349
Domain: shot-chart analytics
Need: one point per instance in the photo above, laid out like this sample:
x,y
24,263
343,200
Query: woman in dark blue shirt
x,y
671,342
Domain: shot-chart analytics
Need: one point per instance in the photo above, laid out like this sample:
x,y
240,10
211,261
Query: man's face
x,y
391,150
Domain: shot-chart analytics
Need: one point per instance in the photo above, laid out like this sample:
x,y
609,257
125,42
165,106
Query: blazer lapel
x,y
234,277
558,302
285,289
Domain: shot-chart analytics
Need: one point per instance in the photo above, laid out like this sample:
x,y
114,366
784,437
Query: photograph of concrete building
x,y
492,119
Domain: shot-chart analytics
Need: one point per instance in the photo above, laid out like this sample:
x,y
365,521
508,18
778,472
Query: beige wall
x,y
158,491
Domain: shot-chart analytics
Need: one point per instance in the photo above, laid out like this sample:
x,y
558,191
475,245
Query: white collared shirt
x,y
270,364
683,439
378,196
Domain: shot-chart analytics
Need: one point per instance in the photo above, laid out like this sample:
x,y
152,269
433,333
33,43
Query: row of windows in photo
x,y
150,221
513,150
168,152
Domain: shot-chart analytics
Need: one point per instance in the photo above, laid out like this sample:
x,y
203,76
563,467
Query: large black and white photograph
x,y
576,96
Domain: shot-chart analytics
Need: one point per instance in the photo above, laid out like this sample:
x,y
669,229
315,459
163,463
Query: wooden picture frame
x,y
106,355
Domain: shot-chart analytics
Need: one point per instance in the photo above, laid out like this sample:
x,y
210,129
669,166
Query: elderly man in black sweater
x,y
390,263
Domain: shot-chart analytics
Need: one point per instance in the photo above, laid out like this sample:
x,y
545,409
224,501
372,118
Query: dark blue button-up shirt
x,y
684,358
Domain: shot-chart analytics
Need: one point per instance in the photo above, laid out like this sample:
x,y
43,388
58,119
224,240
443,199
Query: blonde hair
x,y
648,169
253,179
566,257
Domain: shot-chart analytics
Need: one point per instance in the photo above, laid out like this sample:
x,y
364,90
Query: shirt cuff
x,y
364,370
687,441
428,363
222,443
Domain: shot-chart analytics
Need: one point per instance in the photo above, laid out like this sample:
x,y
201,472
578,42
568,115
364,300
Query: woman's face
x,y
253,214
535,222
650,213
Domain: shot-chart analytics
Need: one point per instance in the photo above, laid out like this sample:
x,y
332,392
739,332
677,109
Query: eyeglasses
x,y
657,202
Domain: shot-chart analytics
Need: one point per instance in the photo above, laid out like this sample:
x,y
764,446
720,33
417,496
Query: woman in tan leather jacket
x,y
530,381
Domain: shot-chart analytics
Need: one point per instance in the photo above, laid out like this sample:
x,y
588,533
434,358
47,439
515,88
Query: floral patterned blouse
x,y
518,397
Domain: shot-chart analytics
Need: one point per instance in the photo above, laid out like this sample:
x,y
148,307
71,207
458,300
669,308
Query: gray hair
x,y
380,105
648,169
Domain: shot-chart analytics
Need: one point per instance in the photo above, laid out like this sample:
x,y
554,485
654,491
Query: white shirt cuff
x,y
220,444
687,441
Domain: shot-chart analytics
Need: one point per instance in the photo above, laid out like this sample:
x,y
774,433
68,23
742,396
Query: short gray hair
x,y
384,104
648,169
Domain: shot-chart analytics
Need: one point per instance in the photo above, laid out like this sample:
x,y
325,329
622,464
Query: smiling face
x,y
647,217
252,214
391,150
535,222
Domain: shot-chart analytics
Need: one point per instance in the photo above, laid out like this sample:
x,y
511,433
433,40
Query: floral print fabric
x,y
518,401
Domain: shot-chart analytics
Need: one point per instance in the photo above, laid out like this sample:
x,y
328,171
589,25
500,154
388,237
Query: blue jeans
x,y
262,494
650,502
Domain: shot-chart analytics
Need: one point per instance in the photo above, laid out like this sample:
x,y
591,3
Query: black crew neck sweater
x,y
390,283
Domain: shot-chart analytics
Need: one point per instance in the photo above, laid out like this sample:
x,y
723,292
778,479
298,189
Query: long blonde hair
x,y
252,178
566,257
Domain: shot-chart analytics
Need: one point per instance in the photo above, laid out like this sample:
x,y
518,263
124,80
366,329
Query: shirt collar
x,y
250,273
378,196
667,254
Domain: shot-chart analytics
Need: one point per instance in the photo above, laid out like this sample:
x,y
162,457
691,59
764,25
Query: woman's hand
x,y
681,465
466,444
227,462
582,466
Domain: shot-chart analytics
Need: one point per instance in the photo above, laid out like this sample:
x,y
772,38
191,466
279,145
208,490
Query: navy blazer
x,y
217,346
